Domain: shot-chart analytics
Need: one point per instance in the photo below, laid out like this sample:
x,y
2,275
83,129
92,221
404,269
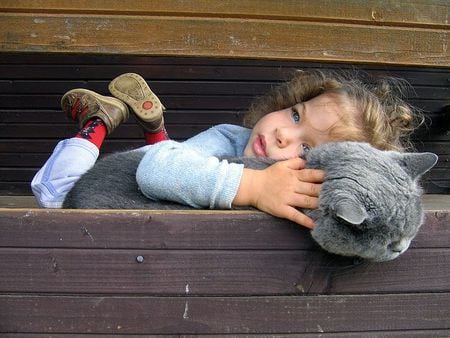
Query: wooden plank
x,y
15,188
18,202
371,334
42,228
212,272
223,315
180,87
146,229
148,71
104,67
225,38
235,88
401,13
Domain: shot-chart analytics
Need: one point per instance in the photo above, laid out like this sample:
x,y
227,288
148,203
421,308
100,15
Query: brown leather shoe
x,y
81,105
132,89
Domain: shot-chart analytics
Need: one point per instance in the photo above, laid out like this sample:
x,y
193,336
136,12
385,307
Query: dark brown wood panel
x,y
223,315
99,69
396,334
178,230
212,272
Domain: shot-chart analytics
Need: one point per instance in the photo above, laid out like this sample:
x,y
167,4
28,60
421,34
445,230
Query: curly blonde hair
x,y
387,120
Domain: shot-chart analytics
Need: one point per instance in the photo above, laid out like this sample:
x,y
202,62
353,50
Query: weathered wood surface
x,y
219,315
398,32
210,272
178,230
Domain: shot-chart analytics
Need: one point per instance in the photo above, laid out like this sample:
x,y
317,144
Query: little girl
x,y
313,108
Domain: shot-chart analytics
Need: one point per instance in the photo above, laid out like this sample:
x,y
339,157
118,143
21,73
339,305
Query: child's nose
x,y
283,137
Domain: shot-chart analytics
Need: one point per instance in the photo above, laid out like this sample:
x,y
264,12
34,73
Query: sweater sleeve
x,y
191,173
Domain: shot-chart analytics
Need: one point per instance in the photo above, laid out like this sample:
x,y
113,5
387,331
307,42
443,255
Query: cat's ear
x,y
350,211
417,164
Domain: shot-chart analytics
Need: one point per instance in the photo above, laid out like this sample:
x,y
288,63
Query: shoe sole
x,y
100,99
138,96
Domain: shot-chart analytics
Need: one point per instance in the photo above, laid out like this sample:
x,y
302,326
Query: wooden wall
x,y
373,31
105,273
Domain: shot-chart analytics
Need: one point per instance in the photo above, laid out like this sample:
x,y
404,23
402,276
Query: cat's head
x,y
370,202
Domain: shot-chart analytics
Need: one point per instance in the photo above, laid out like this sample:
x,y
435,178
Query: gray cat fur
x,y
369,206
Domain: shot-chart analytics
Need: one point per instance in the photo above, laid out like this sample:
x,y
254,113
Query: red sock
x,y
94,131
152,138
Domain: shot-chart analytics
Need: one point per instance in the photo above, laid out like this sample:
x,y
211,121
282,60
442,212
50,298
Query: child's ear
x,y
417,164
350,211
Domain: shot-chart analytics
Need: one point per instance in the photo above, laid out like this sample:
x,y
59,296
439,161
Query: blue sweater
x,y
191,172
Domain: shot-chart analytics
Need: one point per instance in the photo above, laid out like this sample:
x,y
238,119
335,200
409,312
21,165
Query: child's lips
x,y
259,146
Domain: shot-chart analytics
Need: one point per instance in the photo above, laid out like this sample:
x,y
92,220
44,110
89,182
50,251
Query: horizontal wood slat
x,y
168,272
178,230
396,334
402,13
218,315
15,66
224,37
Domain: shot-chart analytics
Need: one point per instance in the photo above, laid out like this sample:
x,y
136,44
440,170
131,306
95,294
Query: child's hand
x,y
282,188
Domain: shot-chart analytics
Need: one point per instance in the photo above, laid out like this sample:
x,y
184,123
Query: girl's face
x,y
293,131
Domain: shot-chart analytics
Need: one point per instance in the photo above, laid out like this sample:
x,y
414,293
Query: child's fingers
x,y
300,218
305,201
308,189
311,175
295,163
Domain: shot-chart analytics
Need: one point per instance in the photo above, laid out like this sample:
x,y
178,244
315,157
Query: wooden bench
x,y
111,273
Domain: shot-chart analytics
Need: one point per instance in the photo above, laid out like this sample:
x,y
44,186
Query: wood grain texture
x,y
213,272
223,315
372,11
371,334
388,33
209,272
178,230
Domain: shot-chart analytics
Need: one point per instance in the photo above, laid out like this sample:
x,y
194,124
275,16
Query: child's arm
x,y
280,189
190,173
178,172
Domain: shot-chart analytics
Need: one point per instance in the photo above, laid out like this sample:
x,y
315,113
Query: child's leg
x,y
70,159
132,89
97,116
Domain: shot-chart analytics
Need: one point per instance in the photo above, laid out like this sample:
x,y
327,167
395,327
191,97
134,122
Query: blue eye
x,y
295,116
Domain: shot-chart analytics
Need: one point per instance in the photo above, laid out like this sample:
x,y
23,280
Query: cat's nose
x,y
399,246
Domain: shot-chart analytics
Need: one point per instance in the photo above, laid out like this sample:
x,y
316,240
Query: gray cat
x,y
370,203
